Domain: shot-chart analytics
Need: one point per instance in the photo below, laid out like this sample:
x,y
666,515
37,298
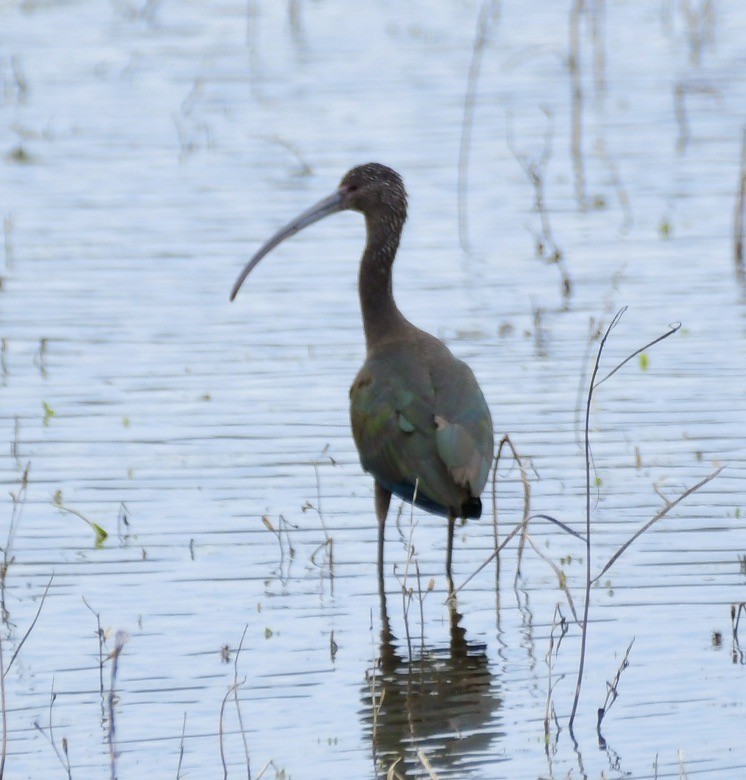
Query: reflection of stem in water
x,y
119,643
616,180
576,147
328,544
739,220
612,694
546,246
550,715
487,14
681,91
598,18
282,529
8,240
700,23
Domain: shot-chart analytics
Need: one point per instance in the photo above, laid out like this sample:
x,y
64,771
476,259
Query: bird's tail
x,y
472,508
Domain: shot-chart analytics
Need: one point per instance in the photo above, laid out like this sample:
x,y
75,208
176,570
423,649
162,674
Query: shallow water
x,y
144,157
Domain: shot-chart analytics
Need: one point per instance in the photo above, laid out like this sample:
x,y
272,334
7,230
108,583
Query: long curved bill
x,y
323,208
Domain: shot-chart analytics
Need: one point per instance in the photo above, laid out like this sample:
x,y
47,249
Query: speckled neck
x,y
382,319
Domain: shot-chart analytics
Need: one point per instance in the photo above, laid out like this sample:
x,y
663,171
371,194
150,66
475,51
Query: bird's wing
x,y
464,435
409,429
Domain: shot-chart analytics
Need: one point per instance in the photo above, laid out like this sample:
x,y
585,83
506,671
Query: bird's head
x,y
372,189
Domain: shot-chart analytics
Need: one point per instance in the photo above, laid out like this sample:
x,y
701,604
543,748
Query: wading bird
x,y
420,422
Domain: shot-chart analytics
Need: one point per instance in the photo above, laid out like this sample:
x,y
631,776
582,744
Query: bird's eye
x,y
352,188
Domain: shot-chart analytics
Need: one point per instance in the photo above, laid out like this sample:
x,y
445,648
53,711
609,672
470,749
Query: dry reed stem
x,y
427,765
392,774
507,441
561,578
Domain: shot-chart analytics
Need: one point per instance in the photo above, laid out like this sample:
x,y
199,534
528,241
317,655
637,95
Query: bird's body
x,y
419,419
421,425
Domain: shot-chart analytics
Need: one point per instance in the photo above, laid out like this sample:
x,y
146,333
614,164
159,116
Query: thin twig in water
x,y
234,690
669,506
487,15
65,762
31,627
181,748
587,448
238,705
592,386
561,577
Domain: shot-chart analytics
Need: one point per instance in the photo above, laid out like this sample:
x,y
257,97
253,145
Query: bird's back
x,y
421,424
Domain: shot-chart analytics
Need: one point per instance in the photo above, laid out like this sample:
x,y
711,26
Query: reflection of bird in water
x,y
441,701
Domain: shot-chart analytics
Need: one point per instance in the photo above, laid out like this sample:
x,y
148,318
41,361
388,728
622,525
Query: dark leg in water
x,y
383,499
449,552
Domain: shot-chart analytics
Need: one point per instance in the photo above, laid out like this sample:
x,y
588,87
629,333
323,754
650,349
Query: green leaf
x,y
644,361
101,535
48,412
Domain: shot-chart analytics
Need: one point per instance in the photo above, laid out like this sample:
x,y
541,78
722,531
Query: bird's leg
x,y
383,499
449,552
